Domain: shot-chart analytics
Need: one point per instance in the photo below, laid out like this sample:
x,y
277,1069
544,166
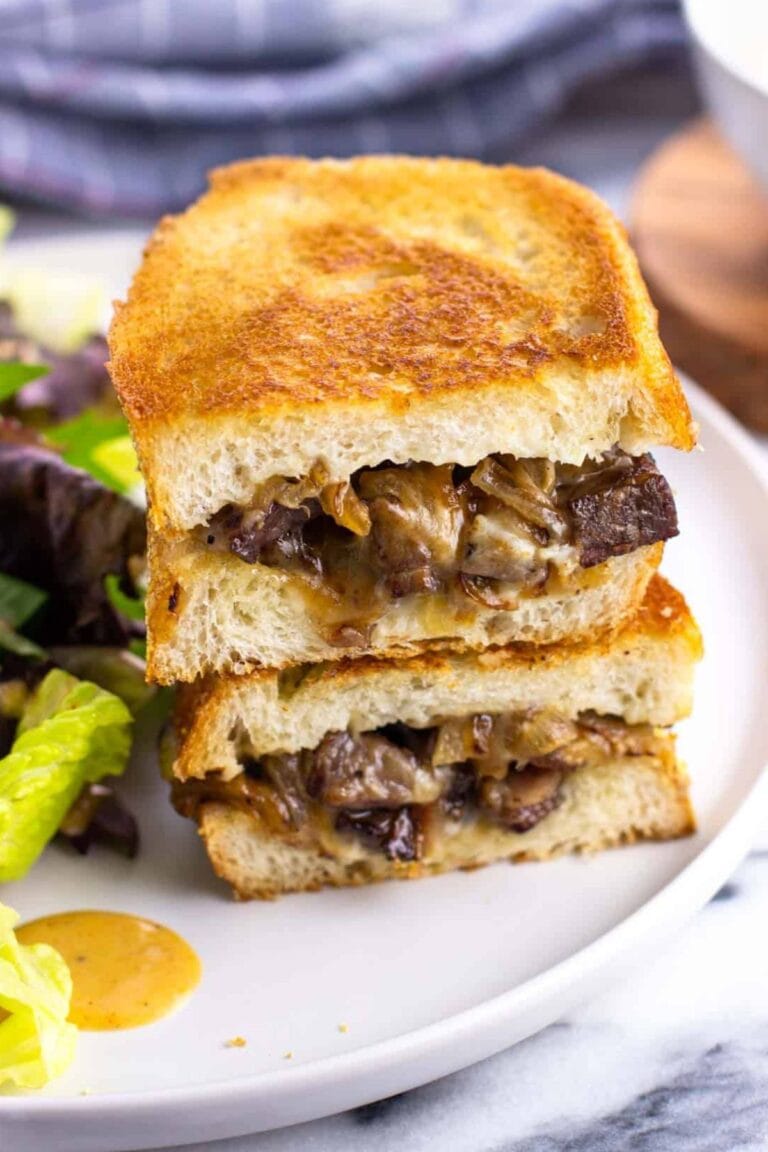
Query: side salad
x,y
72,560
72,634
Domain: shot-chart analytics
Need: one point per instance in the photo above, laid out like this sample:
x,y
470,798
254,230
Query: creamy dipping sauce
x,y
126,971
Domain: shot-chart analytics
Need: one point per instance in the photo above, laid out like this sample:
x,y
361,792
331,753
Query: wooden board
x,y
699,223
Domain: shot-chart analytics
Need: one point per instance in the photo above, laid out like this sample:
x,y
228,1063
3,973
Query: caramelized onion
x,y
522,737
389,785
342,503
483,591
462,738
292,493
412,529
516,488
256,797
350,636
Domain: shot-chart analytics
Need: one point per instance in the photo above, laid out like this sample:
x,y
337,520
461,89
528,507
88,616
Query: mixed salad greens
x,y
72,563
70,734
72,556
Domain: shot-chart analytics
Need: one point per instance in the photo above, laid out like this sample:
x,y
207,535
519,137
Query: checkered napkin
x,y
120,106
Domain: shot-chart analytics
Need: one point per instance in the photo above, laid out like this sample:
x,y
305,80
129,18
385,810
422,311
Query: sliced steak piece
x,y
285,772
522,799
271,537
397,831
417,516
460,791
368,771
634,507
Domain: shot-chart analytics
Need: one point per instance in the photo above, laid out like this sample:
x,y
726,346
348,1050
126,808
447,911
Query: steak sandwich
x,y
390,402
354,771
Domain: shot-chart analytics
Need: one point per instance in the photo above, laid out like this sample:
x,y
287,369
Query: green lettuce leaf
x,y
18,600
70,734
117,459
131,606
80,438
115,670
11,641
14,375
47,699
36,1041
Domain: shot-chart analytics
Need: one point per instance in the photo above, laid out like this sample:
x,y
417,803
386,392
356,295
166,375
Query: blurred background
x,y
112,112
118,107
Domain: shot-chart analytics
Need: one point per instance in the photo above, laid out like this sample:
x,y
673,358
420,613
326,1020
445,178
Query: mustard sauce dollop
x,y
126,971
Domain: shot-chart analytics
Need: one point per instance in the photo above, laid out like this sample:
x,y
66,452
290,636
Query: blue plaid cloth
x,y
120,106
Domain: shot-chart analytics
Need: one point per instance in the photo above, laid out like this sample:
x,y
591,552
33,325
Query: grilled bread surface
x,y
643,673
384,307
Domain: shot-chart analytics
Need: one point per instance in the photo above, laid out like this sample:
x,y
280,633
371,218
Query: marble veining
x,y
716,1101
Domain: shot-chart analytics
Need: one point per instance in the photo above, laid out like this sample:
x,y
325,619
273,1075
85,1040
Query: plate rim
x,y
409,1053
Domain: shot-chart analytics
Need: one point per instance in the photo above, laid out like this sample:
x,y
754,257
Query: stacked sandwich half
x,y
394,417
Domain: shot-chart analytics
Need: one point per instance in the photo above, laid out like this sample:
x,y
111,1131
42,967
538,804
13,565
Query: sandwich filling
x,y
489,534
397,789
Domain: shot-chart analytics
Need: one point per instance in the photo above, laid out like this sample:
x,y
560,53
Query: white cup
x,y
731,52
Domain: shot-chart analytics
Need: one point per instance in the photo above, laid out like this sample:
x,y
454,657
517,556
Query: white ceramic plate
x,y
431,976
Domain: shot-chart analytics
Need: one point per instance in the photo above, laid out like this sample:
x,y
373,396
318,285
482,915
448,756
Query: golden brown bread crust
x,y
663,613
221,320
383,280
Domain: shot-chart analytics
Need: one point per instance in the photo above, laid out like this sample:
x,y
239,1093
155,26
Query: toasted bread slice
x,y
643,674
229,732
634,798
210,613
383,308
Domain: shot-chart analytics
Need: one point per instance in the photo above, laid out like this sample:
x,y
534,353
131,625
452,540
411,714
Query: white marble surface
x,y
676,1059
